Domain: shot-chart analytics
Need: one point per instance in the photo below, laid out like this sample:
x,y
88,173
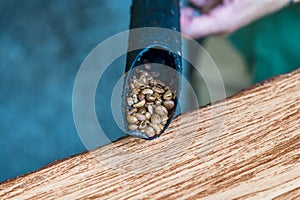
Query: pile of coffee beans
x,y
148,104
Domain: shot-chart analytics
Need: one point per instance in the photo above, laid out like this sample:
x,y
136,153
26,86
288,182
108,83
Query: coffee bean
x,y
150,98
147,91
134,98
141,97
150,109
157,97
166,88
137,83
157,103
142,110
149,103
155,119
143,125
131,119
133,110
131,86
142,130
167,95
164,119
139,104
156,128
169,104
161,126
144,79
148,115
149,131
144,73
130,101
132,127
135,92
158,90
161,110
152,83
140,116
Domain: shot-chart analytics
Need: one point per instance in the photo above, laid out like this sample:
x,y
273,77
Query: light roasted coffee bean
x,y
158,90
137,83
167,95
156,128
131,119
139,104
150,98
164,119
141,97
147,91
169,104
142,110
132,127
133,110
161,110
148,115
144,79
149,103
152,83
155,119
135,99
157,103
161,126
131,86
143,124
130,101
157,96
140,116
149,131
142,130
150,109
135,92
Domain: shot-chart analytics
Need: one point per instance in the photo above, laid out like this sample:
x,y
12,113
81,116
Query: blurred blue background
x,y
42,44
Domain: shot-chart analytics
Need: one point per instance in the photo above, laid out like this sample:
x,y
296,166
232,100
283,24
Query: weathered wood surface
x,y
255,155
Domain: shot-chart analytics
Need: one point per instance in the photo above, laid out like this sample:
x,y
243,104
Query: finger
x,y
214,23
200,26
205,3
205,6
187,12
186,16
199,3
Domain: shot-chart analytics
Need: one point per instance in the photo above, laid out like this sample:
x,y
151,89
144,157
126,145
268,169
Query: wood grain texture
x,y
245,147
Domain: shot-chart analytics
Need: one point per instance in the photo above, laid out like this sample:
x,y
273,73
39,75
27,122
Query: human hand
x,y
222,17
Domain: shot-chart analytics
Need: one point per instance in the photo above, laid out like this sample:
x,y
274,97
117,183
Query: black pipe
x,y
158,45
154,13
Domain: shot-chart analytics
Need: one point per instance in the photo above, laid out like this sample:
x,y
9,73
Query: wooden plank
x,y
247,146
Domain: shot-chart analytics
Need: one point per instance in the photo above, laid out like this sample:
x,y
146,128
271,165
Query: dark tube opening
x,y
155,69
